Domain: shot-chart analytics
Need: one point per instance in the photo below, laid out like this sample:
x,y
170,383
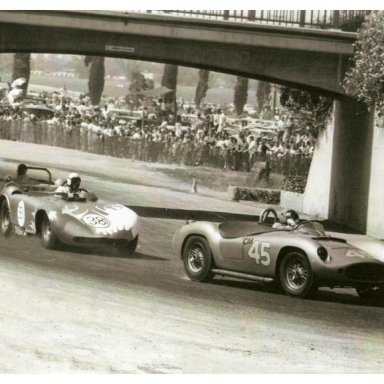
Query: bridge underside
x,y
313,71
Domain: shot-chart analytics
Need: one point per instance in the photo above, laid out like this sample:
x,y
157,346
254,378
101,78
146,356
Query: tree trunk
x,y
22,68
96,77
263,93
241,94
202,86
169,80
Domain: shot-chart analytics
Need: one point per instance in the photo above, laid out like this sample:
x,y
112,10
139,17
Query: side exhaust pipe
x,y
240,275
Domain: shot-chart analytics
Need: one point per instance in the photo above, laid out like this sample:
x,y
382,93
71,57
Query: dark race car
x,y
300,259
34,206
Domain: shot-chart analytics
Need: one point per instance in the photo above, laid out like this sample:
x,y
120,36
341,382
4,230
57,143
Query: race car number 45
x,y
258,251
96,221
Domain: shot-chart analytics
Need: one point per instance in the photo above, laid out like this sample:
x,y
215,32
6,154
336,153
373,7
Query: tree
x,y
263,93
202,86
169,80
139,83
311,109
365,79
241,94
22,68
96,77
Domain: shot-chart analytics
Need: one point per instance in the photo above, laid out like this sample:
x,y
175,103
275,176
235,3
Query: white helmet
x,y
73,180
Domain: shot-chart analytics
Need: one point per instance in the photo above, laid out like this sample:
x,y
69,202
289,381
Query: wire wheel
x,y
197,258
296,276
5,219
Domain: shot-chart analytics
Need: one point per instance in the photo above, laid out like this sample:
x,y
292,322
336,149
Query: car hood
x,y
101,217
344,252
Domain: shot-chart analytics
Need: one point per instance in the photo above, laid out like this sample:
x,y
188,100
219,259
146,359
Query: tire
x,y
197,259
296,276
6,227
375,293
48,237
129,249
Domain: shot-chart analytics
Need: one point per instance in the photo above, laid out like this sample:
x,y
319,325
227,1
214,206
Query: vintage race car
x,y
34,207
299,260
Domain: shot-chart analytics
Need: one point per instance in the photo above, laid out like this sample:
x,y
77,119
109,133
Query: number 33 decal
x,y
258,251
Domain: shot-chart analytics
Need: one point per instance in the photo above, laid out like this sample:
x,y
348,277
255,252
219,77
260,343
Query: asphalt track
x,y
71,311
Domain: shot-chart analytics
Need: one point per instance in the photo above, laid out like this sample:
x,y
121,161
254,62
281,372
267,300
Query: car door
x,y
230,255
259,255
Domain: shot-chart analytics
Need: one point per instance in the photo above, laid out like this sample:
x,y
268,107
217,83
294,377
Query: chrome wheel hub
x,y
196,258
297,274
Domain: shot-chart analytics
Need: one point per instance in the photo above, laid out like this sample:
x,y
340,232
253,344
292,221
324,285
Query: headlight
x,y
322,252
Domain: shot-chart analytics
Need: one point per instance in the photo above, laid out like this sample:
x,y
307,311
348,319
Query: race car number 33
x,y
96,221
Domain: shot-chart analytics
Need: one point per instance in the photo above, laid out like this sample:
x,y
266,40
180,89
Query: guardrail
x,y
323,19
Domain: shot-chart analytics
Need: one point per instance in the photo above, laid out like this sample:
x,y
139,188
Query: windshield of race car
x,y
312,228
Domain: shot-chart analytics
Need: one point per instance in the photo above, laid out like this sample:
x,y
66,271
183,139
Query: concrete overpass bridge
x,y
311,59
341,184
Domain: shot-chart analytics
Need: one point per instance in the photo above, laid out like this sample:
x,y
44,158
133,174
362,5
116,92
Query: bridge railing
x,y
324,19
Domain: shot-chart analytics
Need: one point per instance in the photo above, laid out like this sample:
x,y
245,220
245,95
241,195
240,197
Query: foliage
x,y
139,83
96,77
169,80
202,86
263,94
22,68
311,110
365,80
294,184
241,94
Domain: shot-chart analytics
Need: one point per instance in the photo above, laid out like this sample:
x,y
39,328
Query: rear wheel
x,y
129,248
371,292
6,227
48,237
197,259
296,276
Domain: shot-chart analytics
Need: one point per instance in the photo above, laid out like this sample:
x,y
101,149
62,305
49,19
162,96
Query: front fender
x,y
205,229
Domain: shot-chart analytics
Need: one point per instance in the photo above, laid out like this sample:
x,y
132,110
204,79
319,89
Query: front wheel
x,y
129,248
296,276
48,237
197,259
6,226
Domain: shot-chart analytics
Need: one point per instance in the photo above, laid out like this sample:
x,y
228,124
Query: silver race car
x,y
300,258
36,206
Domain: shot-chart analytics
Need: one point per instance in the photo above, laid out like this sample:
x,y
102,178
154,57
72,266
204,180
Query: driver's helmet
x,y
22,170
73,181
289,217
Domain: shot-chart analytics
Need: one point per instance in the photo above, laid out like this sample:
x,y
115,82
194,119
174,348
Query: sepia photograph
x,y
191,191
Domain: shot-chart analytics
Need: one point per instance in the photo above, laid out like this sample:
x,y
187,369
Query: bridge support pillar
x,y
375,225
351,164
339,179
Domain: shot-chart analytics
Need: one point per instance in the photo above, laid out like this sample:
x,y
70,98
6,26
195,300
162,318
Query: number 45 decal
x,y
258,251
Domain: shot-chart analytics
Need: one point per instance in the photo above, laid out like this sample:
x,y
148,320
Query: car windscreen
x,y
312,228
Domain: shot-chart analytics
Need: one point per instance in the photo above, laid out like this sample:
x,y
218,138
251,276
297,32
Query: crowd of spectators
x,y
154,132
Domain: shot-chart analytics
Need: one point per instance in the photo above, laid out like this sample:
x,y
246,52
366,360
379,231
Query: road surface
x,y
72,311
